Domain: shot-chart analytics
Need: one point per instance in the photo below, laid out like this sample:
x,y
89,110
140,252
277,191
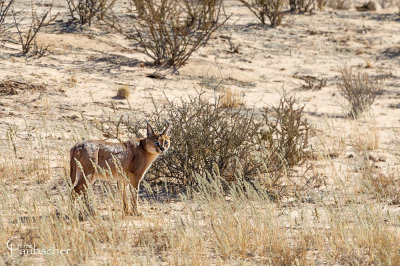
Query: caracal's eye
x,y
166,142
156,143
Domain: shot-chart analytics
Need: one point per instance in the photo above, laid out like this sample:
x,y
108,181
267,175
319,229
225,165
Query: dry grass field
x,y
266,167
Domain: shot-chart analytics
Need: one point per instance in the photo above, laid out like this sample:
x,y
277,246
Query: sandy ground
x,y
85,68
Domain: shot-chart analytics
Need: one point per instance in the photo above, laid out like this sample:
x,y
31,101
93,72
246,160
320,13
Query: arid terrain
x,y
344,209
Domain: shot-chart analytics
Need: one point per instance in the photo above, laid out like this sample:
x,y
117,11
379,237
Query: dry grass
x,y
123,92
231,98
330,146
225,157
207,226
364,138
243,226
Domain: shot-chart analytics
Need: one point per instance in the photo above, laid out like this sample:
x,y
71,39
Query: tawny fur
x,y
133,158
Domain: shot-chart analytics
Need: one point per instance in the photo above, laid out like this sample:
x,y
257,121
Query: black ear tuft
x,y
150,131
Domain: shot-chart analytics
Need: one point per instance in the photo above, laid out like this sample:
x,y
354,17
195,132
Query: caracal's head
x,y
157,143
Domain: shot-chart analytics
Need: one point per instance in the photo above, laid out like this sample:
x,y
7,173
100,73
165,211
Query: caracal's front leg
x,y
122,191
134,190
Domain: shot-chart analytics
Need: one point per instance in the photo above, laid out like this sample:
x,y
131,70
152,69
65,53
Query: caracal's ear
x,y
150,131
165,132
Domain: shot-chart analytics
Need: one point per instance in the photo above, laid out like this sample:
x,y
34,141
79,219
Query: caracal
x,y
126,162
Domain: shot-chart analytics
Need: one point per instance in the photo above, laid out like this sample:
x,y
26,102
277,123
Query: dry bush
x,y
369,6
169,31
339,4
4,9
27,37
397,3
85,11
123,92
263,9
206,138
358,89
13,87
231,98
285,135
386,3
301,6
321,4
311,82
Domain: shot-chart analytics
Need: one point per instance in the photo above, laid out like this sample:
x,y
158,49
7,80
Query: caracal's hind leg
x,y
82,188
79,185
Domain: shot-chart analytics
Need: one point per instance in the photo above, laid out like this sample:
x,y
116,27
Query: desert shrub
x,y
369,6
386,3
339,4
27,37
263,9
397,3
285,136
321,4
169,31
4,9
205,138
311,83
358,89
85,11
208,138
301,5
